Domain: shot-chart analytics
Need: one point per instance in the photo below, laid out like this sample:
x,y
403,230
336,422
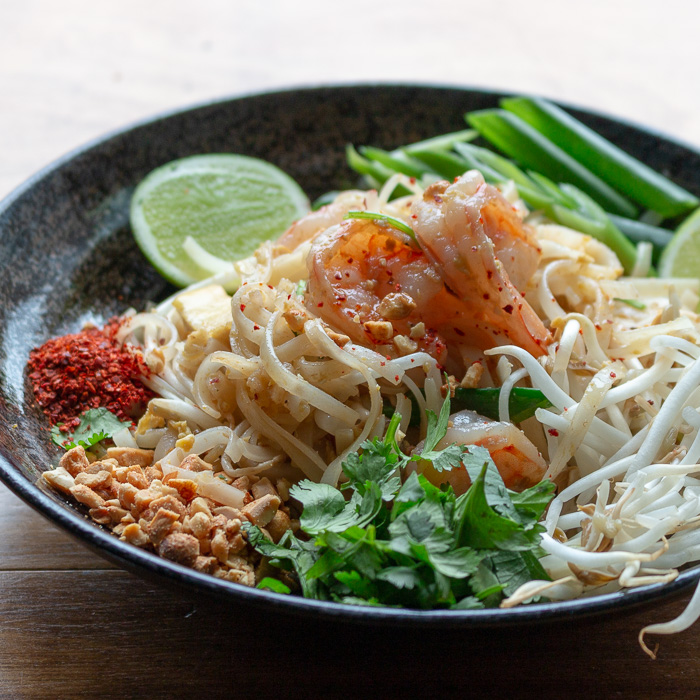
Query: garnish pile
x,y
87,370
412,544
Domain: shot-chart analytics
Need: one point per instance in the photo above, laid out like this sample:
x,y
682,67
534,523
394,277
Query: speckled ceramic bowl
x,y
66,256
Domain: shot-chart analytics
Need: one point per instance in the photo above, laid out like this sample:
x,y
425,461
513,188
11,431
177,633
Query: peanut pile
x,y
128,493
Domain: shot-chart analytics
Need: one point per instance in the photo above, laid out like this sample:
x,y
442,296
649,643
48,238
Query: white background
x,y
71,70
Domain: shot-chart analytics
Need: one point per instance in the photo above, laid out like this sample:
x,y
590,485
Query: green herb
x,y
522,403
300,288
397,161
445,164
506,169
638,232
382,218
576,178
96,424
620,170
413,544
531,149
631,302
273,584
444,142
376,173
326,198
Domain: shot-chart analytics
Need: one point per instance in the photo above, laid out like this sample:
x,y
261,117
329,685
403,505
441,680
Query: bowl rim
x,y
144,563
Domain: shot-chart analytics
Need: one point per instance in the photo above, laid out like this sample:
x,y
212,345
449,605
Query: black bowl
x,y
67,256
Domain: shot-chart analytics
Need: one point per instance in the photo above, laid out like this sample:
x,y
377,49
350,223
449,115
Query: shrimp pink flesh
x,y
480,245
362,273
312,224
516,458
373,283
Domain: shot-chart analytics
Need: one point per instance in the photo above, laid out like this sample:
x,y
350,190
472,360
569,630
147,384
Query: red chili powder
x,y
84,370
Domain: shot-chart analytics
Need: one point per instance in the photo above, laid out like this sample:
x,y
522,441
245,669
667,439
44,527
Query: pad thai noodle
x,y
373,305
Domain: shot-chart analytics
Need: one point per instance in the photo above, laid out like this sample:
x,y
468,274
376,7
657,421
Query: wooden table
x,y
72,625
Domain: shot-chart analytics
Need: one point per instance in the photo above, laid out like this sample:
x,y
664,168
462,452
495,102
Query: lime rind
x,y
681,257
228,203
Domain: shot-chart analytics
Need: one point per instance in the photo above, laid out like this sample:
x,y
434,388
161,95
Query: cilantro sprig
x,y
412,544
96,424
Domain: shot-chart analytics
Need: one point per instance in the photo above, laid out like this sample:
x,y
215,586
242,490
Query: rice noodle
x,y
280,388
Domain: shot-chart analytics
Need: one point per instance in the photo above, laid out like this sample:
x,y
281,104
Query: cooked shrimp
x,y
314,223
484,253
369,281
517,459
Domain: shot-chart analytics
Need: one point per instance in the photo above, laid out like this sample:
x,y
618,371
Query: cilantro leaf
x,y
512,569
330,561
468,603
481,527
449,457
96,424
411,491
273,584
323,506
266,547
357,584
485,585
400,577
437,426
380,542
379,461
458,563
289,553
446,459
372,466
533,502
495,490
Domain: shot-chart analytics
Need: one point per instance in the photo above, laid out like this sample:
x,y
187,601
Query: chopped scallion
x,y
327,198
384,219
397,161
526,145
444,142
522,404
618,169
447,165
631,302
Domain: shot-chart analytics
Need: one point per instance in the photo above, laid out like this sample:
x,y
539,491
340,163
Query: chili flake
x,y
84,370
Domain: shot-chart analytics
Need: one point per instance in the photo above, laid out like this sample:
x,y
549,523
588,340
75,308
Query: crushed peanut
x,y
379,330
131,456
472,376
129,494
405,345
395,306
340,339
417,331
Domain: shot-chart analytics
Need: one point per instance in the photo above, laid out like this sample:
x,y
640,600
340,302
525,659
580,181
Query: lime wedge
x,y
228,204
681,257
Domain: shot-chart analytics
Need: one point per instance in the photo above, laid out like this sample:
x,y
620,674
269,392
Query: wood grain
x,y
29,542
72,626
107,634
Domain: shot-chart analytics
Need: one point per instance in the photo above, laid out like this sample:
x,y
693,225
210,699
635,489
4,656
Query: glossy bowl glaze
x,y
67,257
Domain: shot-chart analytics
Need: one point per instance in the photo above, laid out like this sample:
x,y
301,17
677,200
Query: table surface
x,y
72,625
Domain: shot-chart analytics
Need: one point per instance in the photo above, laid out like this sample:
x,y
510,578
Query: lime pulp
x,y
227,203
